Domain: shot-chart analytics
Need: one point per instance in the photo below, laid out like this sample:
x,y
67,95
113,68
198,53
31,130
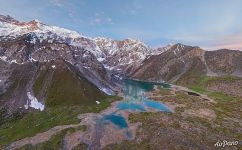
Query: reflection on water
x,y
135,100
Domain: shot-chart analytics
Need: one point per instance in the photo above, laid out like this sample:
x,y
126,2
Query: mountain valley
x,y
60,89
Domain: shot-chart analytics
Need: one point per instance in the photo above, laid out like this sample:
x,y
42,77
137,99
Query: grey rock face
x,y
25,46
181,60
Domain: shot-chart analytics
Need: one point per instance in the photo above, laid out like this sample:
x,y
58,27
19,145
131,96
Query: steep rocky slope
x,y
22,42
32,50
182,62
224,62
37,85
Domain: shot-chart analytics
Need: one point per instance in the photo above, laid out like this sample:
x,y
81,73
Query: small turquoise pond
x,y
118,120
141,106
156,105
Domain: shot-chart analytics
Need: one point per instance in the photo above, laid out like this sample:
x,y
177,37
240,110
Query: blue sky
x,y
210,24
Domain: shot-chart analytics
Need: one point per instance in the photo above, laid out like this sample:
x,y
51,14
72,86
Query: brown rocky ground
x,y
233,87
196,123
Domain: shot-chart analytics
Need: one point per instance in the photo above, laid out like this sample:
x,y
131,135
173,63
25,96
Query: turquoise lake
x,y
135,100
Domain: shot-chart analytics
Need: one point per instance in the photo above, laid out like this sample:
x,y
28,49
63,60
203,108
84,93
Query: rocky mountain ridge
x,y
125,55
28,48
103,62
182,61
23,42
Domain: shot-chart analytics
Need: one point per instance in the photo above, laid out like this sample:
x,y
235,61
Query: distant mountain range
x,y
182,61
38,60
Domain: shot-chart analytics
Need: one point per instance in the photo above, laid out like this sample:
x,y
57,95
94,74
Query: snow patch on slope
x,y
33,103
53,66
106,90
109,46
4,58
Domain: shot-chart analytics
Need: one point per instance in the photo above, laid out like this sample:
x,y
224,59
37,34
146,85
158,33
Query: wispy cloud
x,y
203,23
101,19
110,20
58,3
210,40
133,7
234,46
233,41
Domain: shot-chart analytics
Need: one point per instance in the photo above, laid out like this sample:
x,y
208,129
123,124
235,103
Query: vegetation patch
x,y
163,91
36,122
179,130
39,83
68,95
201,83
67,89
6,117
220,96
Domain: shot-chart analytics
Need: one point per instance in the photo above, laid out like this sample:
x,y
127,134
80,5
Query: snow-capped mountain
x,y
120,55
34,42
162,49
39,32
125,55
31,50
39,37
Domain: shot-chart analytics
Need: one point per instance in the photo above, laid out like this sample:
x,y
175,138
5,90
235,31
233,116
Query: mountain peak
x,y
39,33
36,20
134,41
8,19
179,47
10,26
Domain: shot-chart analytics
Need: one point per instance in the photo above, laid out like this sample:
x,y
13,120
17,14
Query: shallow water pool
x,y
116,119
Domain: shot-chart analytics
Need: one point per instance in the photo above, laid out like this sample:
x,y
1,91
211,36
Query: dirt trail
x,y
40,137
203,96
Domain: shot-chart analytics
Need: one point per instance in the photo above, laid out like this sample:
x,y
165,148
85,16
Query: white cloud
x,y
101,19
96,21
109,20
210,41
123,32
133,7
58,3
